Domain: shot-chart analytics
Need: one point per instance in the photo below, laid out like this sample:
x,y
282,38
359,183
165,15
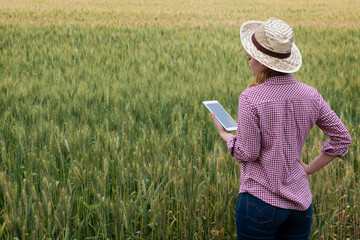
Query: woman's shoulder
x,y
253,95
310,89
255,91
271,92
252,90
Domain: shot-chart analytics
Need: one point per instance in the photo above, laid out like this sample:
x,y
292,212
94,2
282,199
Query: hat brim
x,y
287,65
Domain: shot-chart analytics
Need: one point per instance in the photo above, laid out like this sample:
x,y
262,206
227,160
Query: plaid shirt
x,y
274,120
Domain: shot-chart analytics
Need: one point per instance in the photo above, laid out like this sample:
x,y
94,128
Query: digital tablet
x,y
221,114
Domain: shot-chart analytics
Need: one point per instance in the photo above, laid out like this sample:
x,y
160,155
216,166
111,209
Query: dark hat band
x,y
268,52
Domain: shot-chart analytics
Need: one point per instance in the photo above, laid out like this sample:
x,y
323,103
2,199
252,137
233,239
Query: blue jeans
x,y
256,219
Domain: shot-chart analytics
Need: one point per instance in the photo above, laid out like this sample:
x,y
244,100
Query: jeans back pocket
x,y
259,211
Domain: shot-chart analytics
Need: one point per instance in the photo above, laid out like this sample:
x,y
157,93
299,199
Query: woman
x,y
275,116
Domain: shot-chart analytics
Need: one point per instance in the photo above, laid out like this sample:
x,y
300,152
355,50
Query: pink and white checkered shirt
x,y
274,120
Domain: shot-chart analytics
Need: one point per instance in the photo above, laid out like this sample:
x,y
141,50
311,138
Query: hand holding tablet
x,y
221,114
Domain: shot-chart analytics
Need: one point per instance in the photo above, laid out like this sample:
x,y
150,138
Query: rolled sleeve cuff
x,y
231,145
338,150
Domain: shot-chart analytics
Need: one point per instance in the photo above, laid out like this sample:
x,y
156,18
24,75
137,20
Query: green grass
x,y
103,134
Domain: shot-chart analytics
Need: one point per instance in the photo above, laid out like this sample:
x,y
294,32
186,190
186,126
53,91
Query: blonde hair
x,y
263,75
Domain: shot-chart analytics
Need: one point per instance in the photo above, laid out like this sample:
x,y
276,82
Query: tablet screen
x,y
222,115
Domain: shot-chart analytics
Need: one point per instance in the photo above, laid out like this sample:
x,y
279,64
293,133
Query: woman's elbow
x,y
250,156
343,145
347,140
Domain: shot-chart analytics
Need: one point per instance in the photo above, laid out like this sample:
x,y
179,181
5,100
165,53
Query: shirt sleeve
x,y
339,137
246,144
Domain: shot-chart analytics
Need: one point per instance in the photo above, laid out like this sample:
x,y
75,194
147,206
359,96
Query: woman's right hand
x,y
305,166
318,163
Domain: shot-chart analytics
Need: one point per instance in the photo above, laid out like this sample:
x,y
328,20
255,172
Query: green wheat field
x,y
103,134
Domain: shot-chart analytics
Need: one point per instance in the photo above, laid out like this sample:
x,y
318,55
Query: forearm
x,y
225,135
319,162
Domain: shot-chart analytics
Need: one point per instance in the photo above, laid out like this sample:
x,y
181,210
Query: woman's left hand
x,y
225,135
217,124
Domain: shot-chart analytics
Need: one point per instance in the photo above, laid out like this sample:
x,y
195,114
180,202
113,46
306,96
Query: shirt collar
x,y
280,80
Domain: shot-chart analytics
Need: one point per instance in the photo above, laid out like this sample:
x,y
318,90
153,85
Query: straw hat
x,y
271,43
